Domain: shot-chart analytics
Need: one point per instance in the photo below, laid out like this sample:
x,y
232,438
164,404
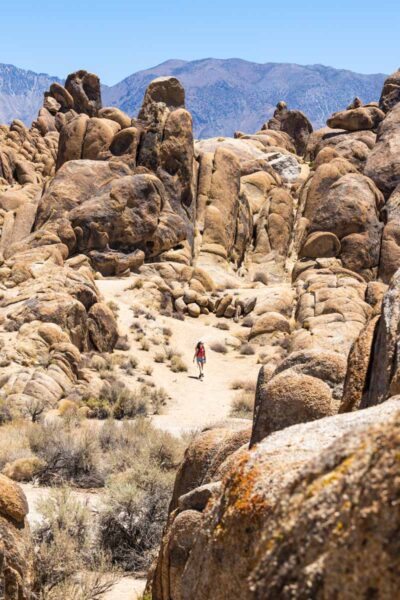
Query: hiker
x,y
200,357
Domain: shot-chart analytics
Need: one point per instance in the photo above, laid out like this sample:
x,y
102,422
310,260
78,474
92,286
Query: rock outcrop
x,y
16,552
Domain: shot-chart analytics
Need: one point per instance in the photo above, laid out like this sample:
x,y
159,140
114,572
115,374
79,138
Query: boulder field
x,y
290,232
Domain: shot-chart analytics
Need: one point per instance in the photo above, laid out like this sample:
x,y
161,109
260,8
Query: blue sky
x,y
119,37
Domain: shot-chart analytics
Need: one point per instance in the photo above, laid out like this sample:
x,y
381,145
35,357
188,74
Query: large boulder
x,y
390,95
390,248
355,119
85,90
349,210
294,123
384,378
301,514
383,163
16,550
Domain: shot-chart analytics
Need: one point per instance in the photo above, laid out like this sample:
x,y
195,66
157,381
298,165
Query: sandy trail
x,y
194,404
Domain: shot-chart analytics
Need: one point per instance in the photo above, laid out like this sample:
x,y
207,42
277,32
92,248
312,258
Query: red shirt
x,y
200,352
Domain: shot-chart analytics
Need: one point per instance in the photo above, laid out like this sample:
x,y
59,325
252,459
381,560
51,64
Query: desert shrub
x,y
113,306
167,331
97,362
148,370
170,352
23,469
34,409
5,411
99,408
178,316
69,452
242,404
130,364
160,357
136,285
219,347
222,325
159,399
249,385
177,365
247,349
134,513
14,442
130,404
145,345
67,407
64,546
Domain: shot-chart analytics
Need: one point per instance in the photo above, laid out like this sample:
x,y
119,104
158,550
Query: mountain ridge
x,y
222,94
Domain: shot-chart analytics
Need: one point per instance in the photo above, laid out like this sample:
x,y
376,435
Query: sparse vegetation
x,y
249,385
113,306
160,357
145,345
219,347
242,405
64,547
247,349
177,365
222,325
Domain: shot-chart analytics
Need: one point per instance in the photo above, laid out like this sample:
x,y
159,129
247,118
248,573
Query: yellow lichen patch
x,y
329,478
241,489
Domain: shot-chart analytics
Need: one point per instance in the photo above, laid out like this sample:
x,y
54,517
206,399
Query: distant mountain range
x,y
223,95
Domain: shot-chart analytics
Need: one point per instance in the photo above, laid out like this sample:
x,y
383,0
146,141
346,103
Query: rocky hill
x,y
21,93
123,241
222,95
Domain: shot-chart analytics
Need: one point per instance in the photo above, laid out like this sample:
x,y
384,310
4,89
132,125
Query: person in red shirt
x,y
200,358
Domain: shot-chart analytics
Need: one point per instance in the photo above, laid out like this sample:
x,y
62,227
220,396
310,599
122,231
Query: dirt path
x,y
194,404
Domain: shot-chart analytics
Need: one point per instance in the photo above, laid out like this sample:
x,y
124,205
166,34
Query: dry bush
x,y
148,370
247,349
242,404
219,347
136,502
177,365
171,352
69,452
129,365
178,316
160,357
248,385
136,285
34,409
159,399
23,469
66,553
14,442
97,362
223,326
67,408
167,331
119,401
5,411
145,345
114,307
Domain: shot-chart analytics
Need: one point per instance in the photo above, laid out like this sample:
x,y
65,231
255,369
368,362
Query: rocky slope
x,y
222,95
287,235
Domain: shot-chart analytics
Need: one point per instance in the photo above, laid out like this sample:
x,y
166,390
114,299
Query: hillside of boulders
x,y
287,241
